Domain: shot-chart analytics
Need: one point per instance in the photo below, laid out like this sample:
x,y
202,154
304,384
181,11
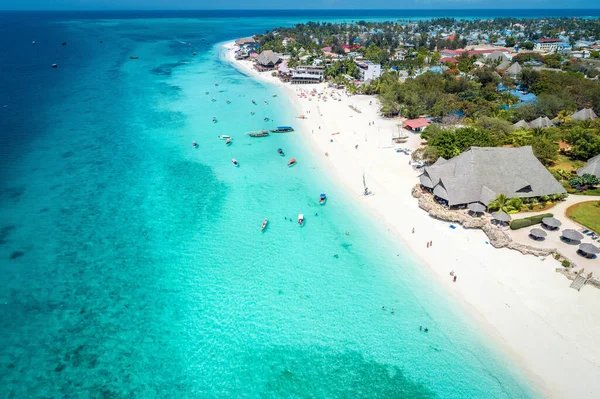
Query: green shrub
x,y
556,256
566,263
531,206
529,221
520,223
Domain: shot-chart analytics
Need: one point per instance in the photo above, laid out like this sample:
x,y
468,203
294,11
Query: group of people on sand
x,y
429,244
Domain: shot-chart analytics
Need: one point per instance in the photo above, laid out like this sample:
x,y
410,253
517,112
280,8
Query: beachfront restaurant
x,y
481,173
304,74
266,61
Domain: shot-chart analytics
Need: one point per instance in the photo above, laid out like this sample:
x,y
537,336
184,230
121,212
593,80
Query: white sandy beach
x,y
552,331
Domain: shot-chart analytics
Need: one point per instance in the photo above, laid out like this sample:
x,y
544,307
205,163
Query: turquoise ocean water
x,y
133,265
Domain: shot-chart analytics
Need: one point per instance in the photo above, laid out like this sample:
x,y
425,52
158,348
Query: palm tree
x,y
500,203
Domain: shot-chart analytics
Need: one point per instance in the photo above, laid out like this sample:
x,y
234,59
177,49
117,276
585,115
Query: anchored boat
x,y
292,162
280,152
322,199
224,137
258,133
228,141
300,219
264,224
235,162
283,129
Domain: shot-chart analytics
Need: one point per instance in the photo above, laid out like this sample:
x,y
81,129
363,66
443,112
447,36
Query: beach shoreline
x,y
519,300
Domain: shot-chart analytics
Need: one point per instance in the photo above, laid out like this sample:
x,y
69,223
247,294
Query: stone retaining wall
x,y
497,237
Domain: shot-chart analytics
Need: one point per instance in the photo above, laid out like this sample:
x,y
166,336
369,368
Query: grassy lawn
x,y
586,214
566,163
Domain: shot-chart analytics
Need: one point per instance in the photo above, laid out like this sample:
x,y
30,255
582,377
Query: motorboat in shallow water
x,y
235,162
264,224
224,137
194,144
228,141
300,219
322,199
280,152
292,162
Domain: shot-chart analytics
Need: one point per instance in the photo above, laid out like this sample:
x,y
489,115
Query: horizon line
x,y
302,9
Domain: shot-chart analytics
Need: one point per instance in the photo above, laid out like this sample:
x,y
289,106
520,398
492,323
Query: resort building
x,y
481,173
514,70
245,40
303,74
368,70
584,114
551,45
416,125
591,168
266,61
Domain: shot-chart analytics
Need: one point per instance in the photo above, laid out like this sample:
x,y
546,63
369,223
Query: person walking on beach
x,y
428,244
455,278
431,243
413,230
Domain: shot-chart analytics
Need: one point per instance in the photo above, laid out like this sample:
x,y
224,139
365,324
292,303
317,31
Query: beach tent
x,y
501,216
572,235
589,249
538,233
551,222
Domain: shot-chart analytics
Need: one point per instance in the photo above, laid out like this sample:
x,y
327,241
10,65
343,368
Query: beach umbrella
x,y
589,249
550,221
572,235
501,216
476,207
539,233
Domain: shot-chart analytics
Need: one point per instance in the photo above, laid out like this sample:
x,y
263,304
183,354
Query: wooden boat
x,y
300,219
258,133
322,199
280,152
264,224
235,162
292,162
228,142
224,137
283,129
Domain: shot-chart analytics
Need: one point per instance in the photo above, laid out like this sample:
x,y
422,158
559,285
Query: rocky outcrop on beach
x,y
497,237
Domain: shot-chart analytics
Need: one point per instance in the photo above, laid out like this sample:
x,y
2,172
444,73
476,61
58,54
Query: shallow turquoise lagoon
x,y
134,266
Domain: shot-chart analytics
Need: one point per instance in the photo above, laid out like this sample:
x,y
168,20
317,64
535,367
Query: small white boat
x,y
300,219
235,162
54,65
214,119
264,224
194,144
228,142
266,102
224,137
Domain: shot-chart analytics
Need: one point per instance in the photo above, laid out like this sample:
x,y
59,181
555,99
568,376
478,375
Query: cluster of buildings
x,y
268,60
